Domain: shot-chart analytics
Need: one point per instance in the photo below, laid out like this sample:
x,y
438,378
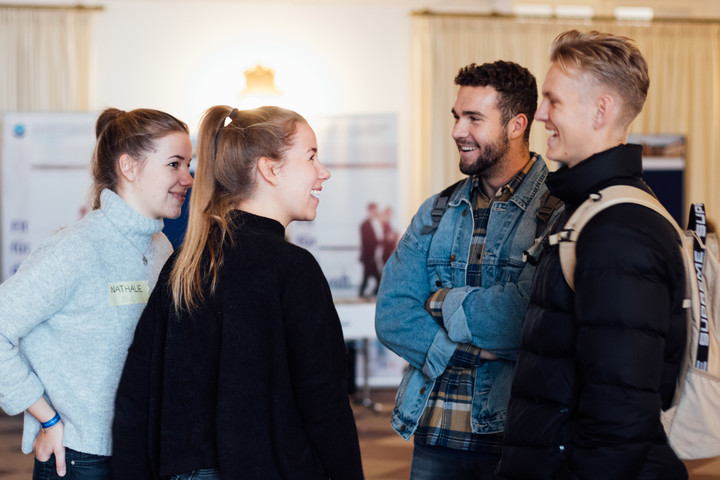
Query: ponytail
x,y
230,142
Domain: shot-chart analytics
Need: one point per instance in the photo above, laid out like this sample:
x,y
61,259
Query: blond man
x,y
598,364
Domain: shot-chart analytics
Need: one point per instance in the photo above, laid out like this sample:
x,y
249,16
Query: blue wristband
x,y
51,422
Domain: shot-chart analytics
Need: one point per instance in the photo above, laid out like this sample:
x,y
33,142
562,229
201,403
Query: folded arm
x,y
401,321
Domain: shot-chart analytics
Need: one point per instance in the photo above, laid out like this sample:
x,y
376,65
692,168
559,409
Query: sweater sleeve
x,y
316,354
27,299
628,263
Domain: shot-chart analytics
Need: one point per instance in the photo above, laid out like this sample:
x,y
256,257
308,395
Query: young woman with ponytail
x,y
238,368
68,314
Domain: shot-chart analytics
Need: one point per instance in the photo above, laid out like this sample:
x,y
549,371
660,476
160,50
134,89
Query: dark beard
x,y
488,157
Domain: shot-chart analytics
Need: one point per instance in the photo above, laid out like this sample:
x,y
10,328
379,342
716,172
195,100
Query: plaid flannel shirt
x,y
446,419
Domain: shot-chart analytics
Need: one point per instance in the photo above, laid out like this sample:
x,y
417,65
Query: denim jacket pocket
x,y
492,393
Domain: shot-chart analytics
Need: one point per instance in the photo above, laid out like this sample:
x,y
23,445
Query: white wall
x,y
330,56
183,57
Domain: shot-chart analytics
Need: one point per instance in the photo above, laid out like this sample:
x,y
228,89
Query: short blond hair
x,y
610,60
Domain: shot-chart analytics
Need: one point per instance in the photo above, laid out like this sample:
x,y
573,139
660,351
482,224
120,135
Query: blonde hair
x,y
611,60
230,143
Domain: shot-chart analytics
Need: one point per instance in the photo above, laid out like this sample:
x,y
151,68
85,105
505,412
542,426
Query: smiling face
x,y
162,180
479,132
567,110
301,176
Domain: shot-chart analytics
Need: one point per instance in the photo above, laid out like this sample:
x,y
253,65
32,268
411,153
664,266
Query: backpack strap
x,y
697,220
549,204
697,226
605,198
441,204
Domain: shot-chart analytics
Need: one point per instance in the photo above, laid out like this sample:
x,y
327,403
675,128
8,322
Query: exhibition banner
x,y
356,229
44,176
360,151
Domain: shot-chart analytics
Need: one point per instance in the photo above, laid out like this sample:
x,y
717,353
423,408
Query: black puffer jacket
x,y
598,364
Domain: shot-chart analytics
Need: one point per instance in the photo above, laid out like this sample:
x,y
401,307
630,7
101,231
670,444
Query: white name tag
x,y
128,293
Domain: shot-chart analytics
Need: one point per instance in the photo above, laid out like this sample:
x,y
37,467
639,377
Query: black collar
x,y
240,219
617,165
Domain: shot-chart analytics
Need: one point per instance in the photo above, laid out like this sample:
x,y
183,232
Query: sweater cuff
x,y
23,396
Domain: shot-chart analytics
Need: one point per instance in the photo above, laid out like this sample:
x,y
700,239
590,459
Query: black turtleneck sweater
x,y
253,382
597,365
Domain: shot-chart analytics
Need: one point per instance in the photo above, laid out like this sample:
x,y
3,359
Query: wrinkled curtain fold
x,y
684,96
45,58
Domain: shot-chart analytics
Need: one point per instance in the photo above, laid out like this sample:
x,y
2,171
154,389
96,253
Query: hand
x,y
486,355
48,442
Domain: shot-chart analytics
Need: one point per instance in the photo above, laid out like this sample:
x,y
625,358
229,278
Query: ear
x,y
605,111
128,167
517,126
267,168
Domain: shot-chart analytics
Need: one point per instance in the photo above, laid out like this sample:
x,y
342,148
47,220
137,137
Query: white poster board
x,y
45,178
361,153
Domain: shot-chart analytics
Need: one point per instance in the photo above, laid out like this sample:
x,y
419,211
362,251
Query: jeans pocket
x,y
44,470
86,466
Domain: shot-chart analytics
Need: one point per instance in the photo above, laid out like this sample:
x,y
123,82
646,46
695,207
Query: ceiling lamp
x,y
260,80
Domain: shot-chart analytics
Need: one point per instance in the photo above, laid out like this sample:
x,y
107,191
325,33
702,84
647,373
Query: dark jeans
x,y
439,463
369,270
201,474
80,466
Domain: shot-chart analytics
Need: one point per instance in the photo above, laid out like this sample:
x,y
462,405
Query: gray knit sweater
x,y
68,316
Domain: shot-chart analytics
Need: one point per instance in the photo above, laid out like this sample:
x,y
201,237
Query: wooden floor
x,y
386,456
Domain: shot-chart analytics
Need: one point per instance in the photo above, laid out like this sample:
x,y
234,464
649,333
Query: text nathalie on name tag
x,y
128,293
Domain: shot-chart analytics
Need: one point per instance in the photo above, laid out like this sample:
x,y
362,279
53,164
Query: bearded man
x,y
453,295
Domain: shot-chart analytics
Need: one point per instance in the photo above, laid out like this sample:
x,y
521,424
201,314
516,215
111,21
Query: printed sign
x,y
45,178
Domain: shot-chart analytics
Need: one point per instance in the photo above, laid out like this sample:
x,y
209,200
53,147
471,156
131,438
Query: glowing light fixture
x,y
260,88
259,79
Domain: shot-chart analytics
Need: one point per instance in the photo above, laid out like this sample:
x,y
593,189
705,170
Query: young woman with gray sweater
x,y
67,316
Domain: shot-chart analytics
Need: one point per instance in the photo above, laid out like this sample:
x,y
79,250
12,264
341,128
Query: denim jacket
x,y
489,316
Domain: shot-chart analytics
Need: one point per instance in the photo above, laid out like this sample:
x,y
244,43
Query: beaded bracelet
x,y
51,422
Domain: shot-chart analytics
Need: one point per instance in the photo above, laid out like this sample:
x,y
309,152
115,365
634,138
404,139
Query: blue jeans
x,y
80,466
430,462
201,474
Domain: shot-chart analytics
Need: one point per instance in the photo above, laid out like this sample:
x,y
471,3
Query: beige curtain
x,y
684,96
45,58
